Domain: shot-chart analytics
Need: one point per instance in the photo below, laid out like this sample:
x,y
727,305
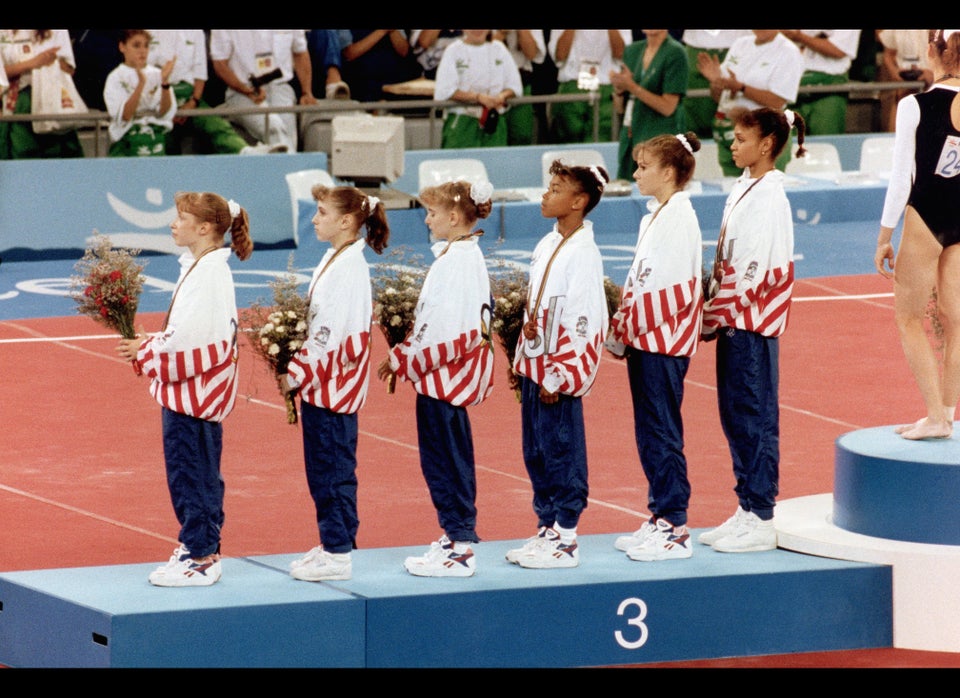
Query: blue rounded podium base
x,y
889,487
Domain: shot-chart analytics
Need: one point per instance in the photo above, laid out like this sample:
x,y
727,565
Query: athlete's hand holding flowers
x,y
107,289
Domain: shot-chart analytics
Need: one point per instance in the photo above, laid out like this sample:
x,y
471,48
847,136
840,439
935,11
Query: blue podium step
x,y
609,611
886,486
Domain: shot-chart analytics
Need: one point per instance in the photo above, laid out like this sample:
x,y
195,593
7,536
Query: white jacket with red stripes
x,y
572,316
192,364
662,297
756,279
332,368
449,355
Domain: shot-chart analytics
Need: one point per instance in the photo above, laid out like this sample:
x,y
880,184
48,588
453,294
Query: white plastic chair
x,y
822,160
434,172
300,183
708,164
876,156
577,157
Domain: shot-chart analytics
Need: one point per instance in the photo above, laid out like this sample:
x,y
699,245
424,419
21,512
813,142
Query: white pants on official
x,y
276,128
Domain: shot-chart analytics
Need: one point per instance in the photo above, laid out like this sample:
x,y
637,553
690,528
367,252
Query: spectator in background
x,y
528,47
762,69
323,45
257,65
372,58
211,134
480,73
827,57
96,54
653,77
713,42
584,60
904,60
22,50
544,82
4,84
139,100
428,47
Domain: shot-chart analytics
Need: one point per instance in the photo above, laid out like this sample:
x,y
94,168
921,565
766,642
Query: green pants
x,y
462,131
19,142
825,114
211,134
700,110
723,136
572,122
520,119
140,141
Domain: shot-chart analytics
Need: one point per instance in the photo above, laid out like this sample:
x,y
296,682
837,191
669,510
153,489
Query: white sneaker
x,y
183,571
545,533
728,526
264,149
550,553
320,566
441,560
311,555
179,553
751,535
624,543
667,542
338,90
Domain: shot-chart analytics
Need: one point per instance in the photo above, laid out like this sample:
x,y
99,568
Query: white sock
x,y
567,535
459,547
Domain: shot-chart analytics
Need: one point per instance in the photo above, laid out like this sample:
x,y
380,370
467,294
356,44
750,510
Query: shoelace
x,y
177,555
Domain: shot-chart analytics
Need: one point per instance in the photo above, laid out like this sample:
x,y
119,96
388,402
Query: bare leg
x,y
949,302
915,277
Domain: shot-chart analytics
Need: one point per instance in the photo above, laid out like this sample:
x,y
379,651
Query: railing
x,y
101,119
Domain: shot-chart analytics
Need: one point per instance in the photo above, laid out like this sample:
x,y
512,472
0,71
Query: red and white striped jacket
x,y
192,364
448,355
332,368
756,274
662,297
572,316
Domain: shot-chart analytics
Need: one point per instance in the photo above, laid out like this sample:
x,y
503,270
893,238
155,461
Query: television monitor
x,y
367,149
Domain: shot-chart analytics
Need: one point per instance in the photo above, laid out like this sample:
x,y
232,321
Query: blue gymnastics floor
x,y
41,288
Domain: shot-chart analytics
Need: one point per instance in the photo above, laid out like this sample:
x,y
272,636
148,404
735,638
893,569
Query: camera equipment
x,y
258,81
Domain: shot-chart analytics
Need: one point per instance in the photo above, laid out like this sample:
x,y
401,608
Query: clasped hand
x,y
384,371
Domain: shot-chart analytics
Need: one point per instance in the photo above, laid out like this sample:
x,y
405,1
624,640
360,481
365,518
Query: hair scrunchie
x,y
481,192
599,177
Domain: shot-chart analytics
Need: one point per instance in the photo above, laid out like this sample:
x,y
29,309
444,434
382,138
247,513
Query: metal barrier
x,y
101,119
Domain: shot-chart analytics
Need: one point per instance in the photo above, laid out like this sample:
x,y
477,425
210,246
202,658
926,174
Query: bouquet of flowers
x,y
396,290
107,287
279,330
612,291
510,289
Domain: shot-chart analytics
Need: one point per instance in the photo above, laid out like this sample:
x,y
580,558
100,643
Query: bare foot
x,y
907,427
926,429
